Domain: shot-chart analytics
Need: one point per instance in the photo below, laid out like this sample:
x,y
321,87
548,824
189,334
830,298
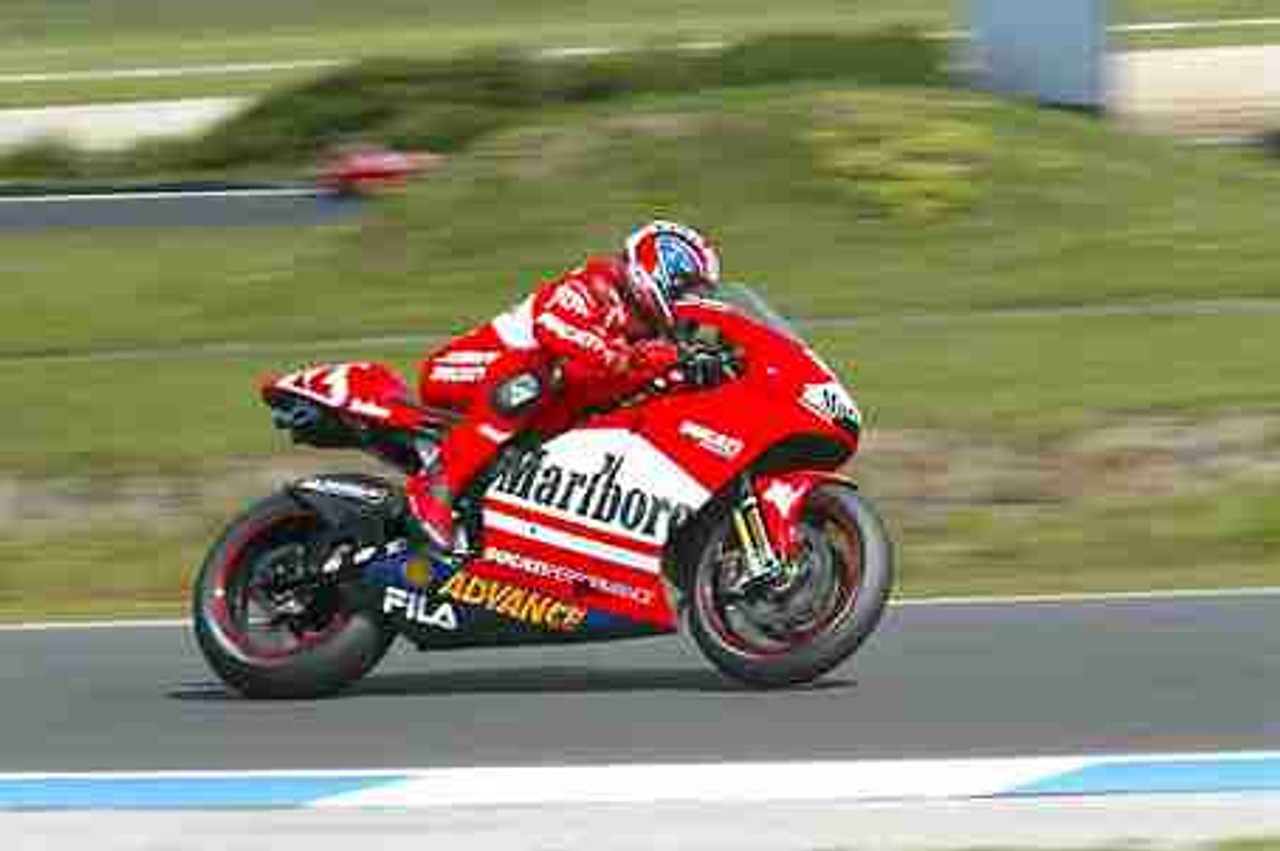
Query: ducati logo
x,y
711,440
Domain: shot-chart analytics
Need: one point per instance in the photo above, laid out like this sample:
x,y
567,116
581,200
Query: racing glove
x,y
705,367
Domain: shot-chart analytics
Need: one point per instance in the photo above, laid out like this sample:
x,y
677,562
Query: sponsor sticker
x,y
831,402
510,601
344,489
603,495
468,357
711,440
420,608
567,575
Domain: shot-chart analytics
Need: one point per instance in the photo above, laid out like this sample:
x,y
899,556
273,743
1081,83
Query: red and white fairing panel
x,y
586,517
371,391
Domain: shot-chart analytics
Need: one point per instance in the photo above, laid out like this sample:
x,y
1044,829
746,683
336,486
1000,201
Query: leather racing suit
x,y
575,344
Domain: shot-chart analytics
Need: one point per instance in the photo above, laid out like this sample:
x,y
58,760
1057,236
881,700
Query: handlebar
x,y
706,364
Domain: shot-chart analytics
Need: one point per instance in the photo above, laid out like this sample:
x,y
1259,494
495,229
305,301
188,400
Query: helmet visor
x,y
679,265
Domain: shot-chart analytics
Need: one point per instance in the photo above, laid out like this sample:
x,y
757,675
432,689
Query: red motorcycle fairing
x,y
782,498
588,515
585,518
371,391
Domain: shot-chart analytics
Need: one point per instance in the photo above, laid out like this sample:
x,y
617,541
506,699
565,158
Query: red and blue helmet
x,y
665,261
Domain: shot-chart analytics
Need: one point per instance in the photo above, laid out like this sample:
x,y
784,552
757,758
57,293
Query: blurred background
x,y
1041,250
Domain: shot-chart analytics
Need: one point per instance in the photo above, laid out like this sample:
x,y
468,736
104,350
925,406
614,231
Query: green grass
x,y
1226,537
1064,213
37,35
108,570
446,105
967,206
98,33
1217,37
169,416
1194,10
1056,212
1222,537
1040,378
68,35
1017,380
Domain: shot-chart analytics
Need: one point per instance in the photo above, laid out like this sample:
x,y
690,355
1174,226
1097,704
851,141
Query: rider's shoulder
x,y
598,269
591,279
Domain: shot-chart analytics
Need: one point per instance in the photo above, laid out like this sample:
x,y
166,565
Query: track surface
x,y
249,209
1131,676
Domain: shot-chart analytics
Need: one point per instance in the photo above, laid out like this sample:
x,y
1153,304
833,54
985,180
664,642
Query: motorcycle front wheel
x,y
797,628
265,627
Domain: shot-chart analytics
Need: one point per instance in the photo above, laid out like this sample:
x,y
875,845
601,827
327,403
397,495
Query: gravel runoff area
x,y
1215,92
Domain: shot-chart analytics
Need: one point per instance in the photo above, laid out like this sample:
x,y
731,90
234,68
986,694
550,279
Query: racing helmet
x,y
665,261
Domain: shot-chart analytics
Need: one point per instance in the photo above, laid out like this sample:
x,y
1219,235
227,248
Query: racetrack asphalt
x,y
231,208
1133,676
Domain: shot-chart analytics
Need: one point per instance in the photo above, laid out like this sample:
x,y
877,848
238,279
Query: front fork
x,y
764,565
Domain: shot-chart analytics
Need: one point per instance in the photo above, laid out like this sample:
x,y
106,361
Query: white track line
x,y
916,602
175,71
175,195
1187,26
50,626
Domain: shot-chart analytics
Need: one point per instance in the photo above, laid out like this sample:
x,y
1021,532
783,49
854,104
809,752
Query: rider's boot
x,y
430,513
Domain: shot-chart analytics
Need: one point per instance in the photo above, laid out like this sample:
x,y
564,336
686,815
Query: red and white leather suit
x,y
579,335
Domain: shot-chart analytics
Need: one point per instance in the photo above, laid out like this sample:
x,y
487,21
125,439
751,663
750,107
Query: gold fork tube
x,y
744,534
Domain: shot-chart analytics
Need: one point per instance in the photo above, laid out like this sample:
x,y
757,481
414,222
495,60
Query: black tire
x,y
338,653
826,644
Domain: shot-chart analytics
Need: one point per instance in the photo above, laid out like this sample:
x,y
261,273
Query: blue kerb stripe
x,y
177,792
1226,774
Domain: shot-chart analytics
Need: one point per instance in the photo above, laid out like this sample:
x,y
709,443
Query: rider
x,y
591,338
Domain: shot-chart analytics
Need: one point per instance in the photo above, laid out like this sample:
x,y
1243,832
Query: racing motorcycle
x,y
714,507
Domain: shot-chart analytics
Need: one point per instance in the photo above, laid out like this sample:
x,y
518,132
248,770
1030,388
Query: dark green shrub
x,y
445,105
443,127
893,57
625,73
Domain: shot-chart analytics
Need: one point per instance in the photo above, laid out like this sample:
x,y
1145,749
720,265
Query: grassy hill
x,y
1025,291
78,35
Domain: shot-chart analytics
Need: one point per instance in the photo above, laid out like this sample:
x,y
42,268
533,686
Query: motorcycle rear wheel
x,y
322,650
814,621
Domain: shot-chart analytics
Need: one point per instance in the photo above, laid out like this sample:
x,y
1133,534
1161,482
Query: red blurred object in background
x,y
368,169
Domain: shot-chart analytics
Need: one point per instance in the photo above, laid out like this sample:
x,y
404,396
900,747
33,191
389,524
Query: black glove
x,y
705,367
